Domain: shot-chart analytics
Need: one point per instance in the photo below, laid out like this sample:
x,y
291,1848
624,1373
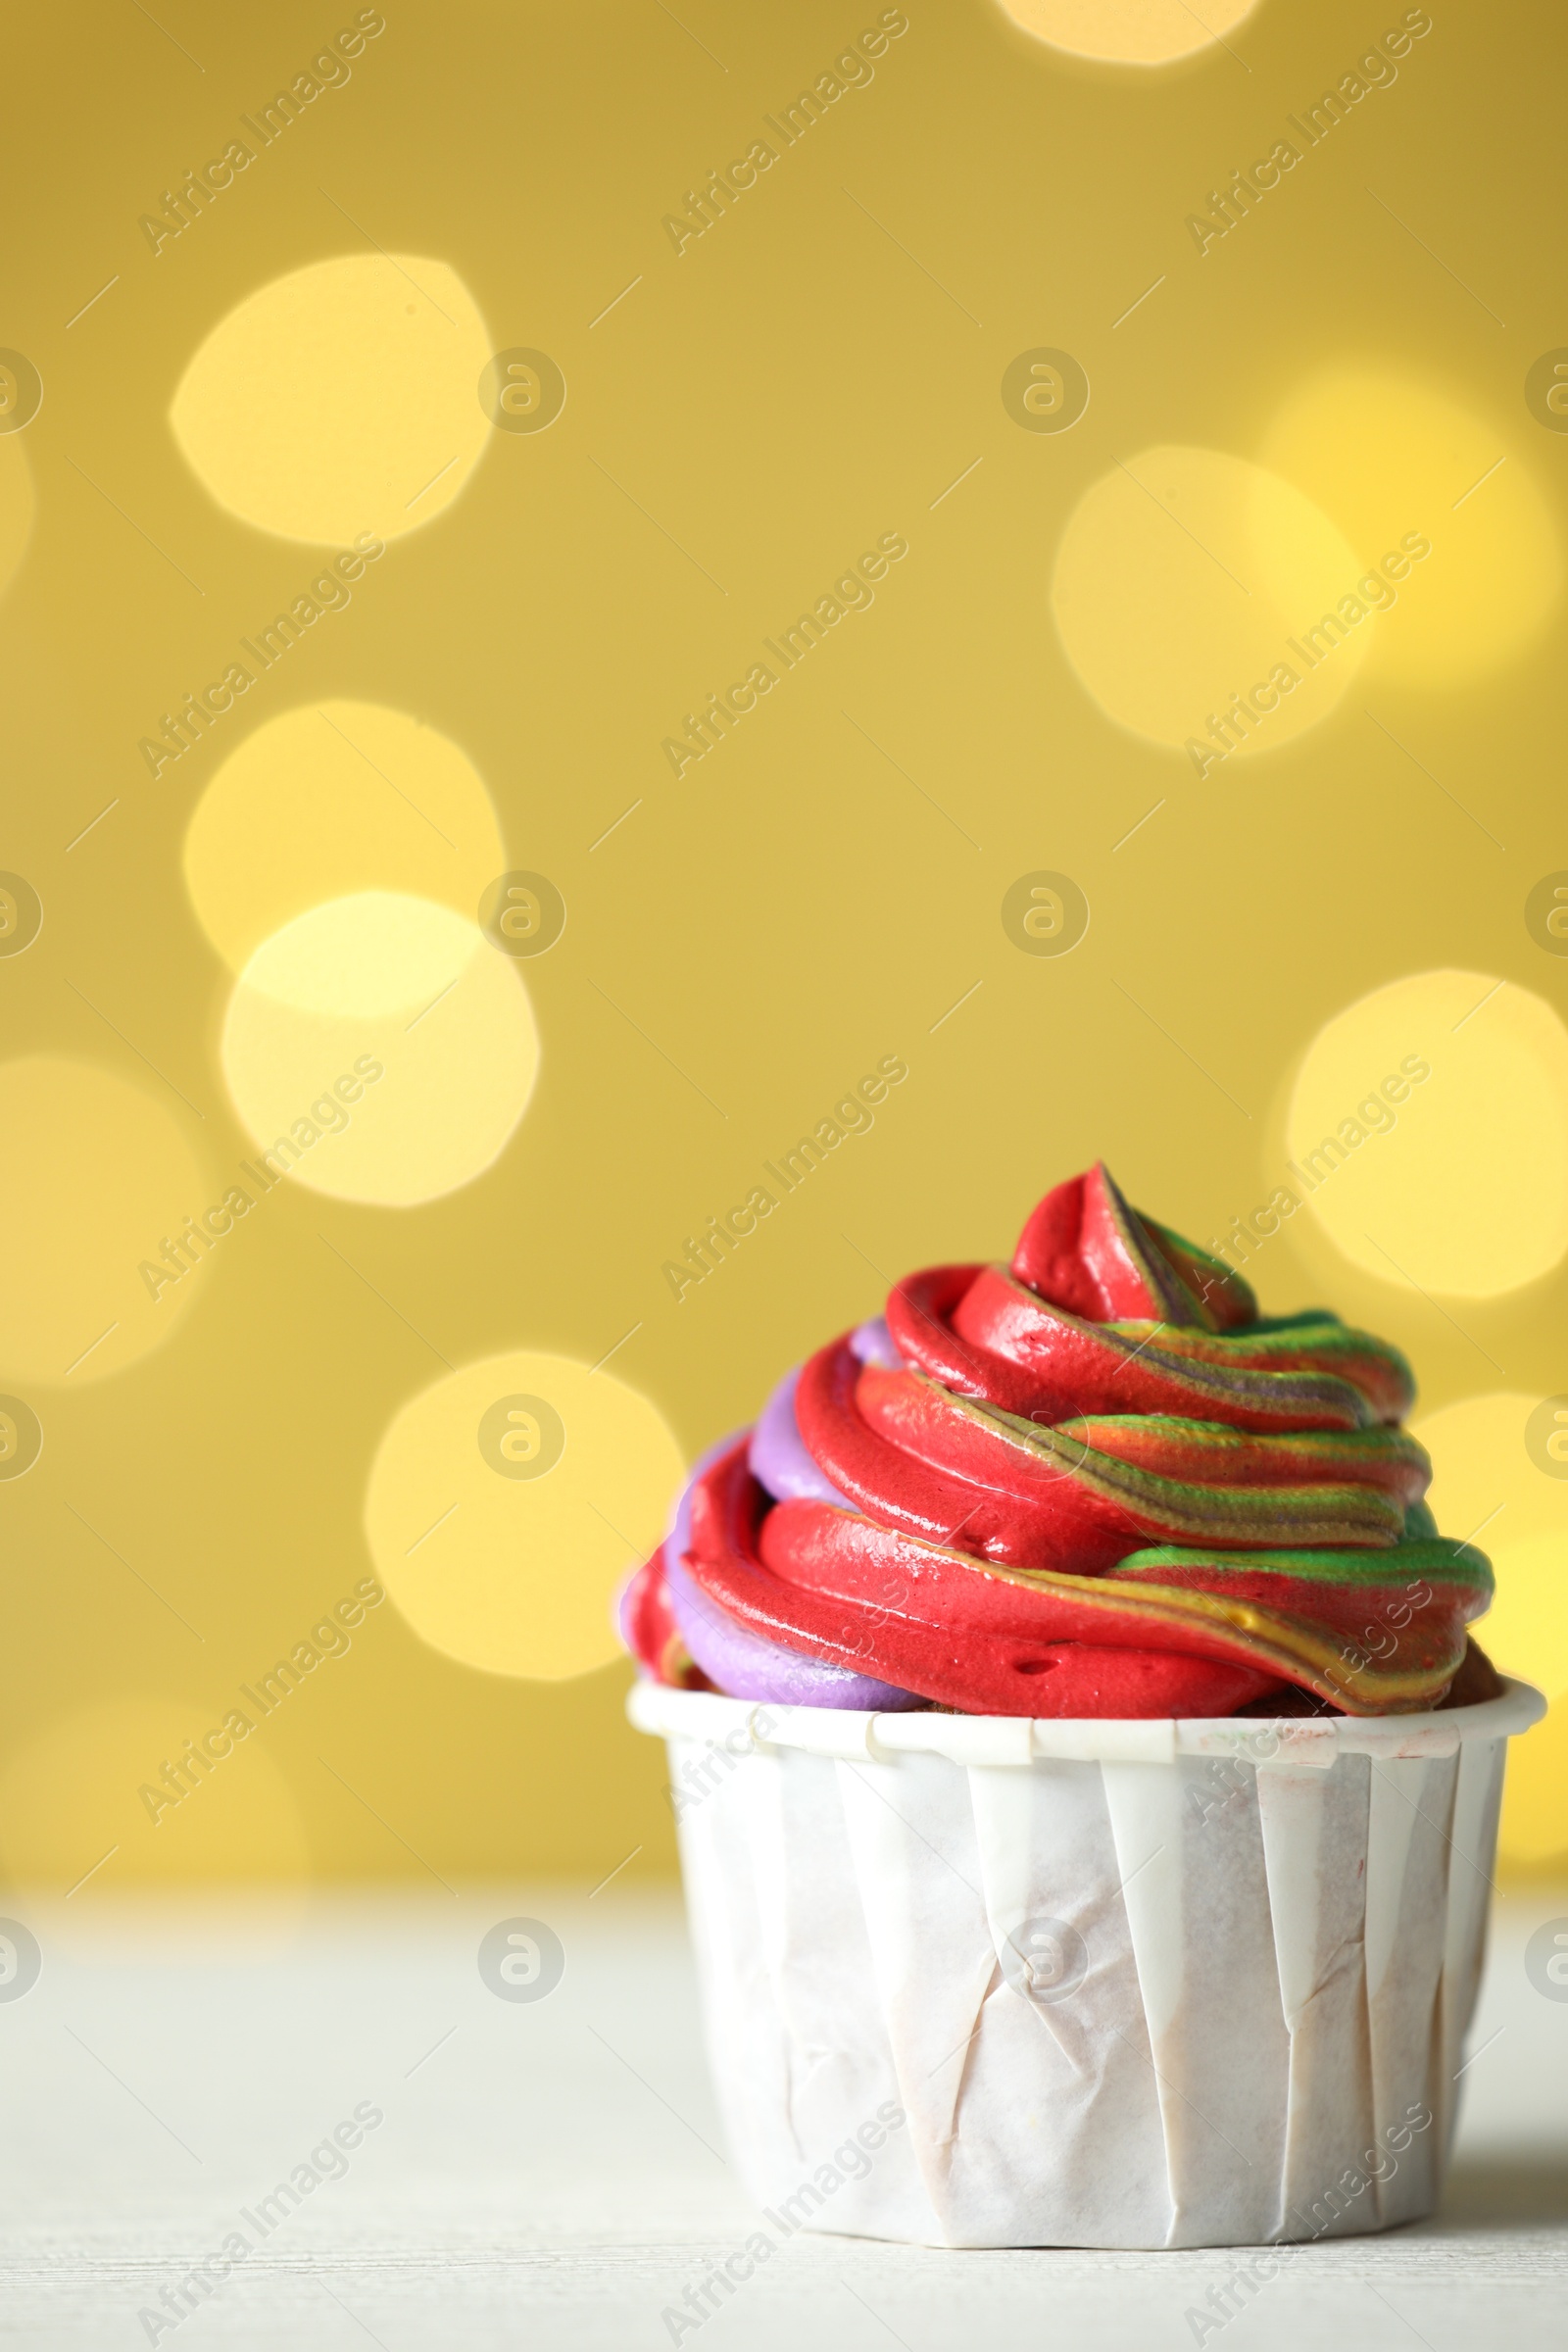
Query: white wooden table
x,y
550,2172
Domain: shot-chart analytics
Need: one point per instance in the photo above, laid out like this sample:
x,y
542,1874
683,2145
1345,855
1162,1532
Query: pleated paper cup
x,y
976,1981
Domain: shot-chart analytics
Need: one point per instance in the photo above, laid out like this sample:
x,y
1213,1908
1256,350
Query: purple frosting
x,y
747,1665
741,1663
872,1342
779,1459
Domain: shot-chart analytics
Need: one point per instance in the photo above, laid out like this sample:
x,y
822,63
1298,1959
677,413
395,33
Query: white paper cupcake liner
x,y
1151,1984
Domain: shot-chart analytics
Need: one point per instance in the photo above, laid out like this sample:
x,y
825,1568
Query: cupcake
x,y
1080,1754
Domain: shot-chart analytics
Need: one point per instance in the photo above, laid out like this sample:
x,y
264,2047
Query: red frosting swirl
x,y
1096,1483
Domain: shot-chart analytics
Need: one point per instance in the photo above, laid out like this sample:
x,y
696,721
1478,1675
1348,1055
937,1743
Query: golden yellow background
x,y
743,416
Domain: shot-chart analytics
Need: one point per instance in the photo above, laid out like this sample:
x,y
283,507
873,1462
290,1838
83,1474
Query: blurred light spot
x,y
1432,1117
329,800
95,1176
506,1503
73,1792
1486,1484
1142,32
339,398
18,502
1388,458
379,1049
1187,581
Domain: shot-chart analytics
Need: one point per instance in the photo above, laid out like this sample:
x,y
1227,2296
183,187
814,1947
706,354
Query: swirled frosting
x,y
1095,1482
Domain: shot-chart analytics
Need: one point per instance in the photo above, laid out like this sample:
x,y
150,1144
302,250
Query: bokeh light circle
x,y
1391,459
1455,1181
95,1177
1141,32
516,1574
1185,581
329,800
379,1049
339,398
